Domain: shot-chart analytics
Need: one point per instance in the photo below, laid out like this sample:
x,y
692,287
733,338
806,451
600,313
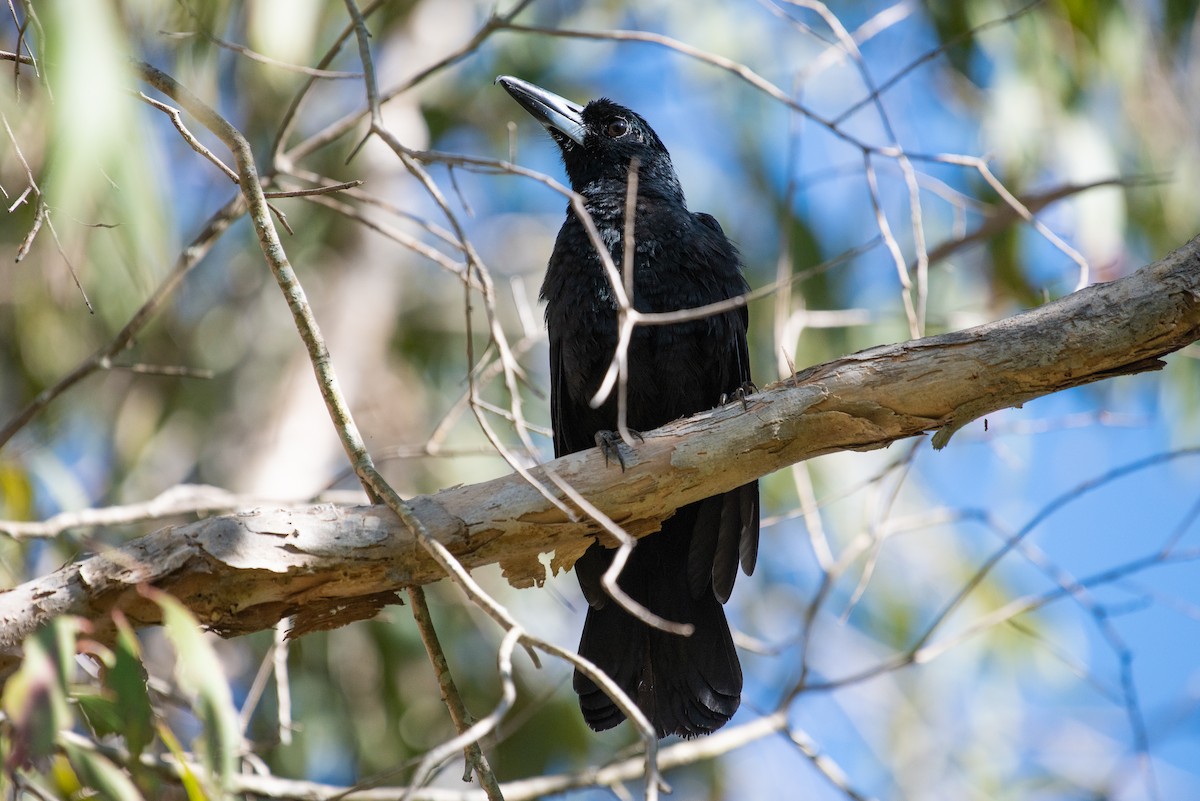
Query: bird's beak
x,y
556,113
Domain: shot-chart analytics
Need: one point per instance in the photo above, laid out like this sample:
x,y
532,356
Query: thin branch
x,y
893,247
188,136
178,501
39,217
613,774
384,204
286,123
333,132
452,699
981,166
922,650
7,56
999,218
314,72
850,46
933,53
401,238
316,190
171,370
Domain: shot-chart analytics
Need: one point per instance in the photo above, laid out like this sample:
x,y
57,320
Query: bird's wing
x,y
557,422
726,528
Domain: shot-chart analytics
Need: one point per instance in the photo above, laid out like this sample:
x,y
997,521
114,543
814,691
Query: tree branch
x,y
329,565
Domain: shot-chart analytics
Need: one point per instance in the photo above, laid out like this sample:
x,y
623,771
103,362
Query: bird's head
x,y
599,141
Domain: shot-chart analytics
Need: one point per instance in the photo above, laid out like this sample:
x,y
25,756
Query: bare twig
x,y
188,136
497,21
931,54
612,774
18,59
452,699
316,190
253,55
981,166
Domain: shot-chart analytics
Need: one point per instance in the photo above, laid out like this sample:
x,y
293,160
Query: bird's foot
x,y
740,394
609,443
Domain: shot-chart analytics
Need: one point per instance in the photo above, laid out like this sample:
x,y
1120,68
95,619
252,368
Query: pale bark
x,y
329,565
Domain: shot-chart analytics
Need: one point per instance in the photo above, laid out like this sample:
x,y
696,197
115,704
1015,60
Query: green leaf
x,y
127,679
16,492
102,715
102,776
200,675
59,639
101,156
36,706
191,785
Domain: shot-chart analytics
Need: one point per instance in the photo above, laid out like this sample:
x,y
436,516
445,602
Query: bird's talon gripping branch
x,y
742,394
609,443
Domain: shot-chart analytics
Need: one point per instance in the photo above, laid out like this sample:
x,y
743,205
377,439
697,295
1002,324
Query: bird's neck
x,y
653,184
605,199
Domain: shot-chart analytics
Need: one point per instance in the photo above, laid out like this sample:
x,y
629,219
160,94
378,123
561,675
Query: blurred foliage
x,y
1060,92
83,730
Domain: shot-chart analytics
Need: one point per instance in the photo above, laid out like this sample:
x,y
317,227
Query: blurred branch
x,y
981,166
42,215
930,55
290,117
383,204
677,755
183,499
914,310
923,651
396,235
999,218
243,572
334,131
253,55
316,190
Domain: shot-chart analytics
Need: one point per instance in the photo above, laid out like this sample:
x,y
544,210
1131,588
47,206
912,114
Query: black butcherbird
x,y
685,685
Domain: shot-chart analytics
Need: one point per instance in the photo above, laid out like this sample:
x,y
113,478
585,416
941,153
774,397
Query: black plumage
x,y
685,685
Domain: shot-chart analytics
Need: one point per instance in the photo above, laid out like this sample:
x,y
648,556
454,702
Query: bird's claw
x,y
742,394
609,443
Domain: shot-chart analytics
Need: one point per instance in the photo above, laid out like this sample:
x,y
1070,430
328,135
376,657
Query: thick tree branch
x,y
329,565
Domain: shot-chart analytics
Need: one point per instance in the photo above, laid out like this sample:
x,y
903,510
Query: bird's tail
x,y
685,685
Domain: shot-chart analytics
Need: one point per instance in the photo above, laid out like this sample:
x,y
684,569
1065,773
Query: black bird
x,y
685,685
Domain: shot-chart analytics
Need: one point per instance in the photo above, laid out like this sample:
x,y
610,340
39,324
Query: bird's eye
x,y
617,128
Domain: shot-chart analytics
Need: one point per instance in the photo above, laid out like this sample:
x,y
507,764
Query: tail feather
x,y
685,685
